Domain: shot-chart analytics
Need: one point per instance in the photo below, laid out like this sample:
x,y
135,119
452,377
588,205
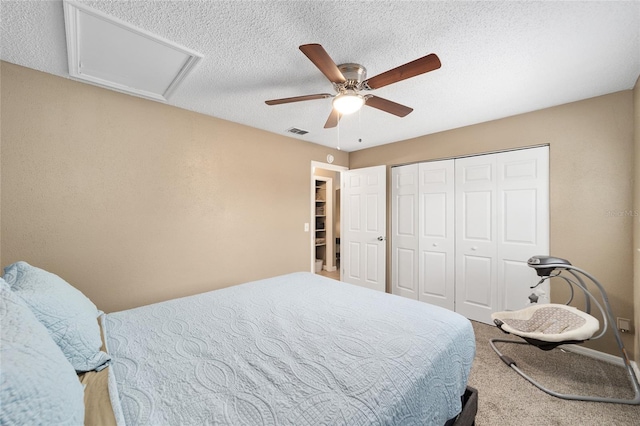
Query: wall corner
x,y
636,218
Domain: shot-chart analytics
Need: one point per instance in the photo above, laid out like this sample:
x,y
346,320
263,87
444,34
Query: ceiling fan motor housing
x,y
354,74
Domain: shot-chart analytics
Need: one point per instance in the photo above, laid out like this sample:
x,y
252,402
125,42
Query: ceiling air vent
x,y
111,53
297,131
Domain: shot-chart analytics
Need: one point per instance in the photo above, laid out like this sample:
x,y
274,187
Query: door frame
x,y
312,206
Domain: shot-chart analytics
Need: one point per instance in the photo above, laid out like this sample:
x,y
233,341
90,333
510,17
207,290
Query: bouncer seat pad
x,y
548,322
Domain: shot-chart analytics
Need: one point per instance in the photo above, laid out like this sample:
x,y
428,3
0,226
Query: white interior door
x,y
436,280
363,227
476,246
523,215
404,231
502,219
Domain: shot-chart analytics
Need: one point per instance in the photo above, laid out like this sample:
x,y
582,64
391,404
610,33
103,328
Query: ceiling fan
x,y
350,79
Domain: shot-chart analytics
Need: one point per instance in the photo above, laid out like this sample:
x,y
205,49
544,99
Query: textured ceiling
x,y
498,58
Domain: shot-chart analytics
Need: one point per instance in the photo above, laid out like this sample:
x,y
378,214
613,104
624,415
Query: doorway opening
x,y
325,219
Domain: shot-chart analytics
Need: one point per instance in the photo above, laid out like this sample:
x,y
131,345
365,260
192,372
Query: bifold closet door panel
x,y
436,280
476,237
523,215
404,231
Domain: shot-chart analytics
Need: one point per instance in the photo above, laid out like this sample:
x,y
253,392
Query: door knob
x,y
474,248
435,245
381,238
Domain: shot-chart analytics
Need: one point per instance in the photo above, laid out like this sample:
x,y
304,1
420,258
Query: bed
x,y
297,349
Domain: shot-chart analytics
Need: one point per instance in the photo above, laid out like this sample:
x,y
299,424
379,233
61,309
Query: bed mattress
x,y
298,349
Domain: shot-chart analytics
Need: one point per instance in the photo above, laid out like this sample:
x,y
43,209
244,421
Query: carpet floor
x,y
505,398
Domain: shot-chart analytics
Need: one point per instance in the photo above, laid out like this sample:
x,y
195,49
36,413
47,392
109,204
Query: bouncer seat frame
x,y
550,325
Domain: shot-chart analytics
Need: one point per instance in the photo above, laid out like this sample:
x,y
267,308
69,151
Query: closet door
x,y
436,233
523,215
476,233
404,231
502,219
463,230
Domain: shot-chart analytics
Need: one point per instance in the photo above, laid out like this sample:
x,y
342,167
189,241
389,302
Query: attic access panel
x,y
108,52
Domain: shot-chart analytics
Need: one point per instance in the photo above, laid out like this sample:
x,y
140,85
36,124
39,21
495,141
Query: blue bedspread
x,y
299,349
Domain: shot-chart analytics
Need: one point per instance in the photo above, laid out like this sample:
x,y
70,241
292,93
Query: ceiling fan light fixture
x,y
348,102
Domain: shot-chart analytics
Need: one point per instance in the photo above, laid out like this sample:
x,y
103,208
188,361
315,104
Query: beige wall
x,y
1,177
134,201
636,225
591,173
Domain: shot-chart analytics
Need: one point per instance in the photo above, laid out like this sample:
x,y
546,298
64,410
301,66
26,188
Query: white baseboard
x,y
602,356
329,268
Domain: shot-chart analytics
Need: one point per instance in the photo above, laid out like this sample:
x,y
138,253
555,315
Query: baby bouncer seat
x,y
549,325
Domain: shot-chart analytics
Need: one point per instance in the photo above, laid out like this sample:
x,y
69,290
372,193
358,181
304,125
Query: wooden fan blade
x,y
411,69
388,106
323,61
333,119
297,99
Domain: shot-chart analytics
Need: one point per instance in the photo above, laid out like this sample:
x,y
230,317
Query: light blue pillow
x,y
68,315
37,383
